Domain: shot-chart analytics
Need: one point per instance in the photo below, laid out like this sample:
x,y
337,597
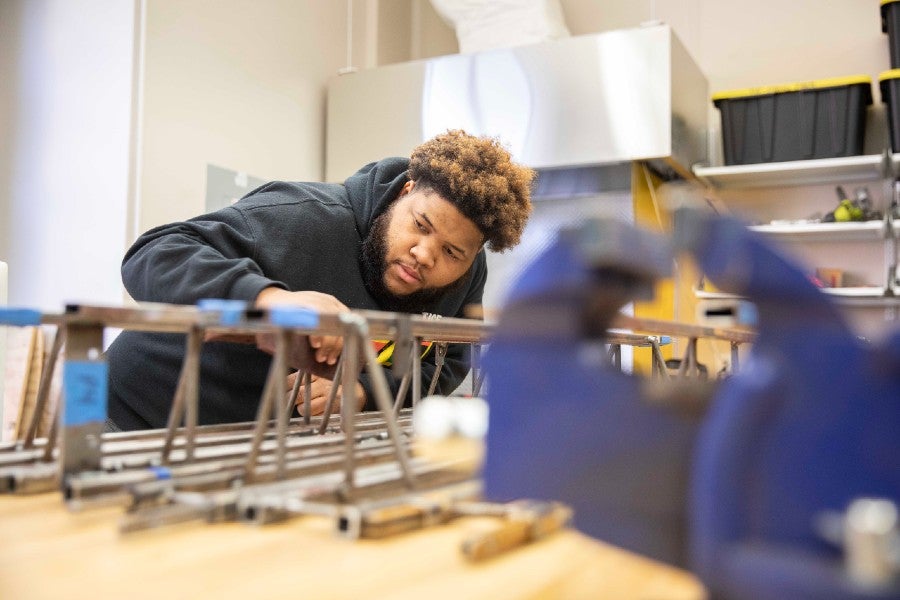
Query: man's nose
x,y
423,252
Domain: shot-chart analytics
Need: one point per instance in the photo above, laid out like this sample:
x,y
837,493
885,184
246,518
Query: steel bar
x,y
220,472
740,336
192,389
53,434
144,446
280,370
31,479
22,456
476,374
689,362
615,356
440,355
332,395
263,414
311,492
383,399
295,391
307,404
417,374
408,376
404,343
351,353
84,395
292,396
659,362
186,392
176,412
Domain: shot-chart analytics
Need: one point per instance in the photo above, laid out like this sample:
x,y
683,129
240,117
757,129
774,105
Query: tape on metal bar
x,y
293,316
85,389
20,317
230,311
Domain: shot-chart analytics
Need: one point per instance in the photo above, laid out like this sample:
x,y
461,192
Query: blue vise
x,y
564,423
752,493
809,426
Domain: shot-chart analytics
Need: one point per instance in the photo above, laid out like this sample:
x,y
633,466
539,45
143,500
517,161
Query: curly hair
x,y
478,176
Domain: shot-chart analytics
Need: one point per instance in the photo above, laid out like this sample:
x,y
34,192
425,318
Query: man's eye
x,y
419,226
451,253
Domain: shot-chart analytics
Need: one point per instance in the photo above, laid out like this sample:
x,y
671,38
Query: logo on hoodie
x,y
385,348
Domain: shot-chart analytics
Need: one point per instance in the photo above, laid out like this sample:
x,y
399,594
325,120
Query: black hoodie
x,y
297,236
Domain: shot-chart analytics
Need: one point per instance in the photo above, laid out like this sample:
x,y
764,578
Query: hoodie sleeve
x,y
206,257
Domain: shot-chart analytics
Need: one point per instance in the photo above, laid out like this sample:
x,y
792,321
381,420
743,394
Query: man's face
x,y
418,249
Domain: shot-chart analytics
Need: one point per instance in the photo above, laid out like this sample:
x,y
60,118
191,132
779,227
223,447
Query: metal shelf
x,y
821,171
869,301
848,296
853,231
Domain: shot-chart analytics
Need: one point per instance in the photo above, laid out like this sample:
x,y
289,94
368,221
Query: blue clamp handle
x,y
20,317
230,311
293,316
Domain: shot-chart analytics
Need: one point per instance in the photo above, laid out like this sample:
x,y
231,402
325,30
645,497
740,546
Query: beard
x,y
373,261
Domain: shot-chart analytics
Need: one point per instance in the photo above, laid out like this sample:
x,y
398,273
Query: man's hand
x,y
324,349
321,387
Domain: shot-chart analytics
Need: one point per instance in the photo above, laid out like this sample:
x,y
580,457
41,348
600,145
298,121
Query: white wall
x,y
66,69
237,84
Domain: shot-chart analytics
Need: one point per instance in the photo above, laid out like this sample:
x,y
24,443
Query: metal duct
x,y
612,97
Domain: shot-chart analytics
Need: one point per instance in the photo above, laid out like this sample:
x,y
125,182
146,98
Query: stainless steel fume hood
x,y
613,97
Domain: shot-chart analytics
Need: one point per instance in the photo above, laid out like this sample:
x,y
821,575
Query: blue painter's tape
x,y
20,317
230,311
161,472
665,340
293,316
84,392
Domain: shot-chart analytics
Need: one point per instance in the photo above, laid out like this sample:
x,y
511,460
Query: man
x,y
399,235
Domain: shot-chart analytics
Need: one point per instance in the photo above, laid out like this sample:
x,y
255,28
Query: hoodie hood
x,y
372,189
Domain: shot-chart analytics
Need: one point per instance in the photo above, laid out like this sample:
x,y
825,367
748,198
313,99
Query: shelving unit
x,y
807,238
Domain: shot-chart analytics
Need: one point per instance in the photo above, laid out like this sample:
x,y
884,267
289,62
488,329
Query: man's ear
x,y
407,188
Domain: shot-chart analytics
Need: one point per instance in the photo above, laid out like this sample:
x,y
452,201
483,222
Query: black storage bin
x,y
890,24
889,82
798,121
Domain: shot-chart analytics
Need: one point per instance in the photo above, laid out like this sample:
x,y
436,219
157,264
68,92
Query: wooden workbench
x,y
47,551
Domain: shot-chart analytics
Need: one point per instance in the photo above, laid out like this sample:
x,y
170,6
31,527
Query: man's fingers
x,y
317,407
320,388
327,348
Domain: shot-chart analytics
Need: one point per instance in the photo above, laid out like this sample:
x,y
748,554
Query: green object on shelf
x,y
842,212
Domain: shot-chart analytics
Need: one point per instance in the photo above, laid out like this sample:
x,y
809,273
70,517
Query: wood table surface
x,y
47,551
